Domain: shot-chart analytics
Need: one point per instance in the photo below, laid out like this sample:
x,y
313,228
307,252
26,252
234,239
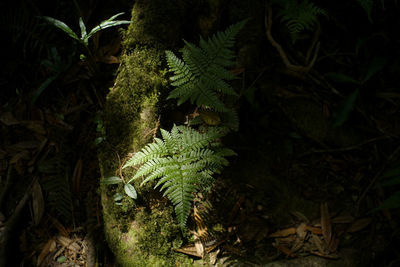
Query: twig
x,y
343,149
298,69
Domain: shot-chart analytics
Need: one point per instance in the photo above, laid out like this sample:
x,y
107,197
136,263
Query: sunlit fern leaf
x,y
299,16
201,76
184,162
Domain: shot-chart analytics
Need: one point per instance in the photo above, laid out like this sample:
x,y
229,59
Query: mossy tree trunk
x,y
141,232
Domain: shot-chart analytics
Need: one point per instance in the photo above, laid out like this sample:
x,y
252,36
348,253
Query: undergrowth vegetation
x,y
185,159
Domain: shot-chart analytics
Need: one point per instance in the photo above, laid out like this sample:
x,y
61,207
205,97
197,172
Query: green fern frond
x,y
56,184
299,16
184,161
367,6
201,76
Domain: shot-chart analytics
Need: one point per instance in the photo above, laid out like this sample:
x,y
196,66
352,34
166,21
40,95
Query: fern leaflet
x,y
201,76
367,6
184,161
299,16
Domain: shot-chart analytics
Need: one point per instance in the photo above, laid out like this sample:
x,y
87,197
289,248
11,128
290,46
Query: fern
x,y
299,16
367,6
184,162
56,184
201,76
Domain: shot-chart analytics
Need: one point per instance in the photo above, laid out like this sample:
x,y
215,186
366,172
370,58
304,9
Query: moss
x,y
136,92
149,239
140,232
156,23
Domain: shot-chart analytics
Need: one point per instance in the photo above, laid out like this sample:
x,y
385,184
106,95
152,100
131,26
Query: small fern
x,y
202,75
367,6
299,16
56,183
185,161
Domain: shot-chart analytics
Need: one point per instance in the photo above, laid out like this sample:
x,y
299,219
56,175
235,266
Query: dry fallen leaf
x,y
49,247
285,250
68,243
37,203
284,233
8,119
22,155
110,59
35,126
189,250
326,223
199,248
301,231
359,225
237,71
343,219
76,178
314,230
318,243
23,146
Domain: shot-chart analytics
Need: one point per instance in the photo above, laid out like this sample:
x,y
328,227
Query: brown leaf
x,y
214,256
189,250
23,146
237,71
37,203
323,255
285,250
76,178
318,243
283,233
8,119
199,248
285,240
106,53
110,60
49,247
359,224
22,155
301,231
334,244
343,219
35,126
68,243
326,223
314,230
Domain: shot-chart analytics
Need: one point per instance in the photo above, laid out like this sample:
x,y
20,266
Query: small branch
x,y
297,69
